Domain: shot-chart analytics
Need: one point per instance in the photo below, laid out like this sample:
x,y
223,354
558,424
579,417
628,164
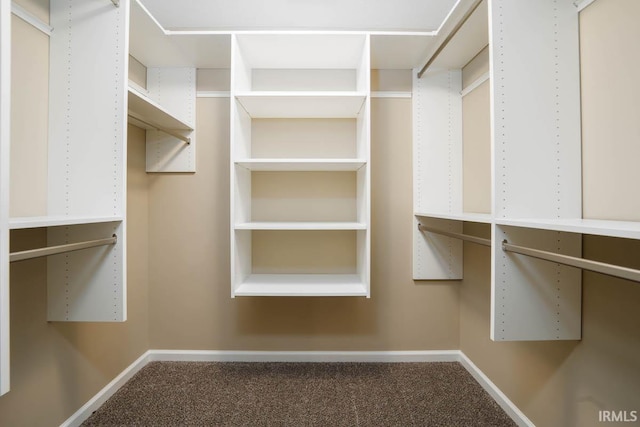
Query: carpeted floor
x,y
300,394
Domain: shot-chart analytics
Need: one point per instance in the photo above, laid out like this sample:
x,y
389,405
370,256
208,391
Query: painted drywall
x,y
610,91
57,367
560,384
29,120
190,297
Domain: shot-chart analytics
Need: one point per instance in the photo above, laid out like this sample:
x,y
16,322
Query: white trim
x,y
390,94
213,94
107,391
474,85
303,356
298,356
446,19
31,19
581,4
501,399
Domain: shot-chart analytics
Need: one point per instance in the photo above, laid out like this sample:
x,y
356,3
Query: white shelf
x,y
146,109
296,165
466,216
56,221
302,104
624,229
302,285
301,225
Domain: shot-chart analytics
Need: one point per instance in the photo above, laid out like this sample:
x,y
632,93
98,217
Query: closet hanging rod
x,y
465,237
585,264
53,250
161,129
450,36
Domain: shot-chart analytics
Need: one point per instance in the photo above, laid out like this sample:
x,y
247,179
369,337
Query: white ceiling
x,y
330,15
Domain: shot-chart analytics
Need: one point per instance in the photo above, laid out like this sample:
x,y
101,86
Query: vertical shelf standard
x,y
87,160
5,121
304,194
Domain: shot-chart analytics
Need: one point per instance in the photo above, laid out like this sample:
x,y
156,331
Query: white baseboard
x,y
501,399
298,356
304,356
107,391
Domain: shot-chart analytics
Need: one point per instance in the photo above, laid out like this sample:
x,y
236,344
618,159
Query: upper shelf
x,y
465,216
624,229
19,223
345,104
147,110
296,165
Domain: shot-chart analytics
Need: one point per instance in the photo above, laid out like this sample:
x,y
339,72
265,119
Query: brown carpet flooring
x,y
300,394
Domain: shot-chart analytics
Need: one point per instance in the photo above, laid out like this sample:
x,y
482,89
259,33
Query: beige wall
x,y
566,383
190,303
610,115
57,367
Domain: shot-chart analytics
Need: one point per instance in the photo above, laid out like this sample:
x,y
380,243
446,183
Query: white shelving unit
x,y
166,108
535,165
294,84
87,161
5,135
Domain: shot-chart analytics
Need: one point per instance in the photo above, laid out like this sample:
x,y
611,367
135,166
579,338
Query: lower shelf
x,y
302,285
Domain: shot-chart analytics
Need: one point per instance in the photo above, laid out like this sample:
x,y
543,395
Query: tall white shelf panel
x,y
299,81
535,164
87,161
5,121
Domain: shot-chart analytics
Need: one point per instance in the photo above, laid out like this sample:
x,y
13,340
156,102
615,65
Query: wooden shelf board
x,y
144,108
301,164
56,221
302,285
301,104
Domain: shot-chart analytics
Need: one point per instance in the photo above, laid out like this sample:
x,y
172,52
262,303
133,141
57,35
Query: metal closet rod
x,y
585,264
161,129
465,237
60,249
452,34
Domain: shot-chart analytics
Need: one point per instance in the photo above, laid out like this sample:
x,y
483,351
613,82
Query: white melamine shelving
x,y
57,221
534,164
303,104
290,95
610,228
149,111
301,225
301,165
466,217
5,138
166,107
302,285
